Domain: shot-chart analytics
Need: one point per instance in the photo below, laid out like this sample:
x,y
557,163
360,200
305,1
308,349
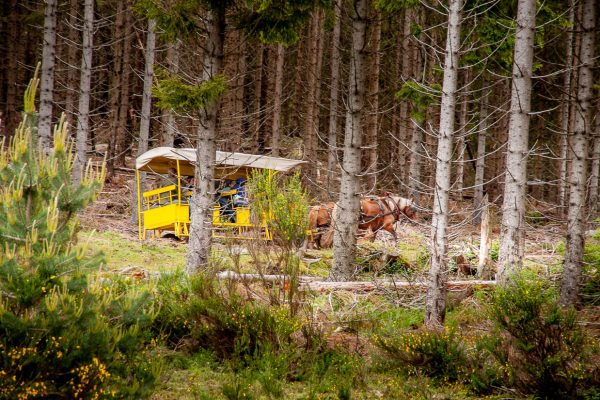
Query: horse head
x,y
403,205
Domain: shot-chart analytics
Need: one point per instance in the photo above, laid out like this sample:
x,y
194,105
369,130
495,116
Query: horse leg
x,y
389,227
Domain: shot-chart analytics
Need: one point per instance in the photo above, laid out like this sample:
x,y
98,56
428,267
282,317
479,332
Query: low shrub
x,y
436,354
539,345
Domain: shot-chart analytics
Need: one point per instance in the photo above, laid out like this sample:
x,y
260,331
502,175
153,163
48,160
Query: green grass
x,y
123,251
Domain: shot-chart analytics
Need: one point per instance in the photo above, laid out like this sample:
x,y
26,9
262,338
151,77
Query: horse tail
x,y
327,237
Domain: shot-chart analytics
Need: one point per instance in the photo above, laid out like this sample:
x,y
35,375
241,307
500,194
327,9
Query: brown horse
x,y
383,212
319,221
376,213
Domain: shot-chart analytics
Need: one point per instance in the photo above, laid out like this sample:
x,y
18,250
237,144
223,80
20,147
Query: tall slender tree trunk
x,y
346,216
85,83
515,182
168,116
371,123
146,114
569,292
258,117
115,85
202,202
123,137
405,146
565,109
435,305
47,77
461,147
71,93
595,171
334,96
481,145
312,102
11,114
276,122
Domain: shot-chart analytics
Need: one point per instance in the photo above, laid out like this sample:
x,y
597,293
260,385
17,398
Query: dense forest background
x,y
289,99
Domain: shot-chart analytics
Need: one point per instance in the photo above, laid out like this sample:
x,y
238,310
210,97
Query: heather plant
x,y
61,334
538,345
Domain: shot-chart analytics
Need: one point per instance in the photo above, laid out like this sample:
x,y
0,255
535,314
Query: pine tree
x,y
60,336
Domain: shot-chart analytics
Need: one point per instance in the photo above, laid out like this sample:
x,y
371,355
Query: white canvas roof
x,y
161,159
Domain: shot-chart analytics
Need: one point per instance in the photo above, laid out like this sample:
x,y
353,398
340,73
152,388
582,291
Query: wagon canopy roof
x,y
161,159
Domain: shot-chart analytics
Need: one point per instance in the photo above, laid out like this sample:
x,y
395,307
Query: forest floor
x,y
350,320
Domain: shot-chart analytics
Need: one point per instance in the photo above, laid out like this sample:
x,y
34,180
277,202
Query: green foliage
x,y
420,96
395,6
590,290
494,250
176,19
172,93
539,345
285,202
212,315
277,21
436,354
60,336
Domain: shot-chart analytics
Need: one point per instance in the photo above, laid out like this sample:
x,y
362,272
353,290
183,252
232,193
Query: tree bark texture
x,y
334,96
168,116
201,210
149,54
71,92
311,125
277,98
435,304
85,84
405,121
47,77
481,145
515,181
575,241
565,110
346,218
595,170
372,116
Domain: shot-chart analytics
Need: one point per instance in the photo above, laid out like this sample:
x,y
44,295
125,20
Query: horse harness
x,y
382,206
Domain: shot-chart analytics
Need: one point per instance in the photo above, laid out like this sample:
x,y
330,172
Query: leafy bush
x,y
539,345
213,315
60,336
437,354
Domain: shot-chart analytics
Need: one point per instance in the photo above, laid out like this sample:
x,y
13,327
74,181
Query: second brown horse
x,y
376,213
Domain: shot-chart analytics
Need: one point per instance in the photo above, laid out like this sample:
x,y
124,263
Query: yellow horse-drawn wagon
x,y
167,208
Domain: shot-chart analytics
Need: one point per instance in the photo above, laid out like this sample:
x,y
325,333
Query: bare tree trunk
x,y
461,147
72,61
122,131
313,81
566,104
405,121
11,67
276,126
481,139
115,85
47,77
346,217
435,304
515,183
257,118
202,204
569,292
168,116
146,105
485,238
595,173
83,114
333,103
373,103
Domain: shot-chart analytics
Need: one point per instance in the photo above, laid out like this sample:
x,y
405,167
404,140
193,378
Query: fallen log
x,y
312,283
356,286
